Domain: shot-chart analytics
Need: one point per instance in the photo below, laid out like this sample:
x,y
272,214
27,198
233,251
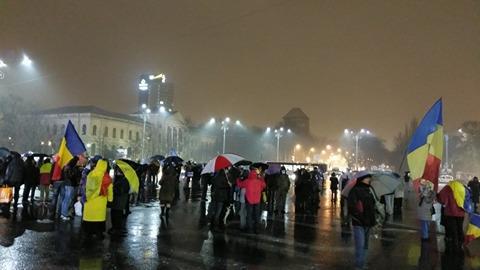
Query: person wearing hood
x,y
453,219
45,179
31,180
361,207
14,175
168,185
220,196
98,191
283,186
425,205
254,185
474,186
121,189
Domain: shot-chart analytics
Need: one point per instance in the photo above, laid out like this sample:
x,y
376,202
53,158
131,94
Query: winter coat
x,y
72,176
425,203
253,187
15,171
221,188
451,209
474,186
95,210
333,183
361,205
283,183
121,190
31,174
271,181
167,187
46,174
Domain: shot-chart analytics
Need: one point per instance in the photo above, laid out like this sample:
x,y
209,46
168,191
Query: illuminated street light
x,y
357,136
329,147
298,147
227,119
312,149
2,64
289,131
162,109
212,121
268,130
146,112
238,123
323,152
26,61
278,134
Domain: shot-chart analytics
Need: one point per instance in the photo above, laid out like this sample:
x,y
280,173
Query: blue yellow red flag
x,y
70,146
425,151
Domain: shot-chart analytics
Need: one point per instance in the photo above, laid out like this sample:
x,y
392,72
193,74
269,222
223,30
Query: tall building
x,y
298,121
155,92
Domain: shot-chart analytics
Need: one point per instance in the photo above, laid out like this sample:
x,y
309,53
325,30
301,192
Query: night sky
x,y
348,64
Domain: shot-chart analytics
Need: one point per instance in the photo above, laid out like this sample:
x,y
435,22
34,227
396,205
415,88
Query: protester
x,y
31,176
254,186
425,206
118,213
45,179
220,198
14,175
361,207
474,186
303,192
334,186
283,186
398,199
453,216
99,191
243,207
343,200
71,178
168,184
317,182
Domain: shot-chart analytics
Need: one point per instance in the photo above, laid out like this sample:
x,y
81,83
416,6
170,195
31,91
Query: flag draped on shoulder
x,y
425,151
70,146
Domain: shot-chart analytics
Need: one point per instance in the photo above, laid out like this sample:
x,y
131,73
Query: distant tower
x,y
298,121
155,92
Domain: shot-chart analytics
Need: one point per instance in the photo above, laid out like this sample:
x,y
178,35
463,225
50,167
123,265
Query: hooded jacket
x,y
361,205
445,197
253,187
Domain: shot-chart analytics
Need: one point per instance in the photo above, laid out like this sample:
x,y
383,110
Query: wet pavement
x,y
185,242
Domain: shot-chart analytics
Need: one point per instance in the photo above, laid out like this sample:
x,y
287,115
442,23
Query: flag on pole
x,y
70,146
425,151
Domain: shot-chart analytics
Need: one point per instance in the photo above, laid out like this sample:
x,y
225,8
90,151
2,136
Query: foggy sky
x,y
348,64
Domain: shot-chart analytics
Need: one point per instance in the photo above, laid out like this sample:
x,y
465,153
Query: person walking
x,y
45,179
474,186
283,186
71,175
118,207
98,191
361,207
334,187
168,184
453,219
425,206
31,176
254,186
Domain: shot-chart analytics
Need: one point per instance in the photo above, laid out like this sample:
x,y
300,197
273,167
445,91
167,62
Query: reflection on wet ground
x,y
184,242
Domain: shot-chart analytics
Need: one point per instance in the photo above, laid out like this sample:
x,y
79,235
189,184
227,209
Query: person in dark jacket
x,y
31,179
72,175
361,206
220,196
14,175
283,186
168,185
334,186
453,219
474,186
118,213
303,191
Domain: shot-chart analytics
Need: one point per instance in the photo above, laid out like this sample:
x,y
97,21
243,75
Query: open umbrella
x,y
221,162
173,159
130,174
157,157
382,182
260,165
243,163
4,152
274,168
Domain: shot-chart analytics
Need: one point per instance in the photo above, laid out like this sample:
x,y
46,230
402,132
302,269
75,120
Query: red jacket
x,y
253,187
445,197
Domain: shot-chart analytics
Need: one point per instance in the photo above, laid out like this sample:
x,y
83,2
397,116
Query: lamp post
x,y
357,135
145,112
278,134
295,149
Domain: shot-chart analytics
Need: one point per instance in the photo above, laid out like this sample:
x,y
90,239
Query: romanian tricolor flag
x,y
70,146
463,199
425,151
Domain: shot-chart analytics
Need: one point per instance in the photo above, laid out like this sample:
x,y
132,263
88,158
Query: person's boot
x,y
162,213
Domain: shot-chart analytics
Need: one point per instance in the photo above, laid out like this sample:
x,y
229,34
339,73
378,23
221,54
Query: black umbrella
x,y
157,157
173,159
243,163
260,165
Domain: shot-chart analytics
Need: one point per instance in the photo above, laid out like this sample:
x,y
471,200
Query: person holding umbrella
x,y
361,207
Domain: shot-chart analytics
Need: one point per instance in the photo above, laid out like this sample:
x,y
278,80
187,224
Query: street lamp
x,y
357,135
278,134
145,112
2,64
26,61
